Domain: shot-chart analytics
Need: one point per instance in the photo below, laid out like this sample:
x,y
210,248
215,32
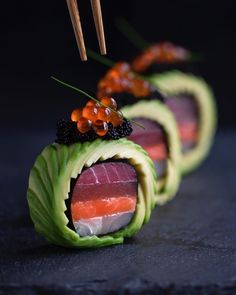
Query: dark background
x,y
189,246
37,41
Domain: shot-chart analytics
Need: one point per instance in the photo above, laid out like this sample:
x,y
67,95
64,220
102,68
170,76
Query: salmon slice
x,y
188,132
186,113
156,152
183,106
153,140
104,198
102,207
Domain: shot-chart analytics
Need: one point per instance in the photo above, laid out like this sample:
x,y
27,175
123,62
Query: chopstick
x,y
97,16
75,19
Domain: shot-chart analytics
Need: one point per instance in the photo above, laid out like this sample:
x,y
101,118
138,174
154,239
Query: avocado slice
x,y
49,187
176,82
158,112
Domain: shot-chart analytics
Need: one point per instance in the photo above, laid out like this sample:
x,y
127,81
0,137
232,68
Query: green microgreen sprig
x,y
92,98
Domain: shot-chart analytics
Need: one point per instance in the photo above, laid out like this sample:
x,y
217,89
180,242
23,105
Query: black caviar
x,y
67,132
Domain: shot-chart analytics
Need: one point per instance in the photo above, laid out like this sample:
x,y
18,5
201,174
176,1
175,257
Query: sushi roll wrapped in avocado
x,y
143,103
188,96
192,102
91,187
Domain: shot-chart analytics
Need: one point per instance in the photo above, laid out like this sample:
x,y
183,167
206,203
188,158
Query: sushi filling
x,y
153,140
185,110
104,198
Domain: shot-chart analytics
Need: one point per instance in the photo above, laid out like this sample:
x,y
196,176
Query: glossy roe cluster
x,y
96,116
120,79
164,52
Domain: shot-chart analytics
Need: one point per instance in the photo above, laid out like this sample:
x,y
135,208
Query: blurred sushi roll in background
x,y
143,103
192,102
169,68
172,69
92,187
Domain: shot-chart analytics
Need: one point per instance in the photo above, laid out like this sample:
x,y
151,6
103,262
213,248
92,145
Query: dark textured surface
x,y
189,246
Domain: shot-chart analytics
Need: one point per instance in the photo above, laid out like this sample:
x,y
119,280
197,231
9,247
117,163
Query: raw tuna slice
x,y
104,198
185,110
152,139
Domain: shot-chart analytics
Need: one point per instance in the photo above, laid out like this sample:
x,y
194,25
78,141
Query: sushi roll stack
x,y
143,103
108,167
168,67
92,187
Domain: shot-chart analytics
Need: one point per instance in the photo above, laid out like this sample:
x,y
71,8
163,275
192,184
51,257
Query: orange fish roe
x,y
100,127
104,114
122,67
92,103
84,125
116,118
97,115
109,102
119,79
140,88
164,52
76,114
90,113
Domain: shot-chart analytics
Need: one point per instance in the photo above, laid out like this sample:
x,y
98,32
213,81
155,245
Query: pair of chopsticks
x,y
75,19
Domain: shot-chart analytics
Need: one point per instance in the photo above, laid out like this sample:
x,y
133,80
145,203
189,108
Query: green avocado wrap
x,y
155,112
50,189
174,83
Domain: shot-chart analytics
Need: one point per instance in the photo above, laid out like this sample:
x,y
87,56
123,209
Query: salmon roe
x,y
164,52
116,118
92,103
76,114
96,116
90,113
104,114
84,125
119,79
100,127
109,102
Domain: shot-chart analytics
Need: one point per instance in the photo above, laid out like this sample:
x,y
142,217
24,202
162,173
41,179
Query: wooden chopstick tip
x,y
98,20
76,23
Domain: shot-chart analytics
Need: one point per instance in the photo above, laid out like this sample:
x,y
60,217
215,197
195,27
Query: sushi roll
x,y
143,103
92,187
188,96
192,102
